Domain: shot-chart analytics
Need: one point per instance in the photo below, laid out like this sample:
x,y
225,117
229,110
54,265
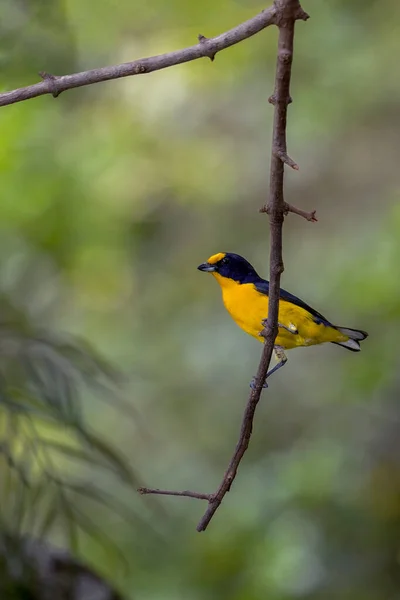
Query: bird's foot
x,y
291,328
253,384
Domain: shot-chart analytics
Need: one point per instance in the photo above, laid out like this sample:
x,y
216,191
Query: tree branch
x,y
310,216
289,208
185,493
286,14
207,47
286,159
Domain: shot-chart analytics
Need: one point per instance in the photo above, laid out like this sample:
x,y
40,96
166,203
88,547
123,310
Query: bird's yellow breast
x,y
249,307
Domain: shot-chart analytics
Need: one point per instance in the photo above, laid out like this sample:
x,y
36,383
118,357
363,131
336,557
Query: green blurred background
x,y
112,195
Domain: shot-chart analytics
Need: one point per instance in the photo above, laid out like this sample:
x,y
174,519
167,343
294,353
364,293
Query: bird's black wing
x,y
262,286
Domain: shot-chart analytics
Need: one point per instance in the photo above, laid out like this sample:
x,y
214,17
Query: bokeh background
x,y
110,197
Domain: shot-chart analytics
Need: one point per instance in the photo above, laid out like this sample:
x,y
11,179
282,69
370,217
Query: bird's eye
x,y
225,261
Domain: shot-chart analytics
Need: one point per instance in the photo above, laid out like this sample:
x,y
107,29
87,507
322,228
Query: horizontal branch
x,y
144,490
206,48
309,216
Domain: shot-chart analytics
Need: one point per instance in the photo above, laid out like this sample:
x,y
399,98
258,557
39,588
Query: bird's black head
x,y
231,266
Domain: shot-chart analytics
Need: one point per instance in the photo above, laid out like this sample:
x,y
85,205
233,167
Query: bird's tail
x,y
355,337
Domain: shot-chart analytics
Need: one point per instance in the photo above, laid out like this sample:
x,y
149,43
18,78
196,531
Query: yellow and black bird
x,y
245,296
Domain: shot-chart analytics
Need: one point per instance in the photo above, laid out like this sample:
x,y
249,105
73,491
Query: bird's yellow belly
x,y
248,308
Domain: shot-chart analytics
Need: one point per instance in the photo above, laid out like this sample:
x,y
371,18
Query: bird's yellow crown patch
x,y
216,258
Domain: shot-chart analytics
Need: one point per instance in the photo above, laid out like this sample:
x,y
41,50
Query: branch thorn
x,y
301,15
202,40
51,79
273,100
285,158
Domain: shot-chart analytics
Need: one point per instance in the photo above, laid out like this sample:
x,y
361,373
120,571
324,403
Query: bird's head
x,y
229,266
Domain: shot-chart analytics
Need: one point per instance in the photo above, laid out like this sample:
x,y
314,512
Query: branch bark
x,y
309,216
186,493
206,48
286,14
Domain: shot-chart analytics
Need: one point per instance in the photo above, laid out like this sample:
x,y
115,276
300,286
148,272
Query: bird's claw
x,y
291,329
253,384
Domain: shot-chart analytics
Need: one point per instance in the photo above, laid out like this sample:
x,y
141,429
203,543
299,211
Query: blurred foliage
x,y
45,443
111,196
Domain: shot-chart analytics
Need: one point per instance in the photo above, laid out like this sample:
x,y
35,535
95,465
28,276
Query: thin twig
x,y
206,48
289,208
310,216
144,490
286,159
287,12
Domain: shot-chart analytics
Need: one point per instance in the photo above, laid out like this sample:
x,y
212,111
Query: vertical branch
x,y
287,12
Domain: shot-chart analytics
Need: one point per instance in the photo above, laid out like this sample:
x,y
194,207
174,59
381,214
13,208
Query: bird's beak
x,y
207,267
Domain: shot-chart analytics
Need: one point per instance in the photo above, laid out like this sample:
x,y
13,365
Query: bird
x,y
245,296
